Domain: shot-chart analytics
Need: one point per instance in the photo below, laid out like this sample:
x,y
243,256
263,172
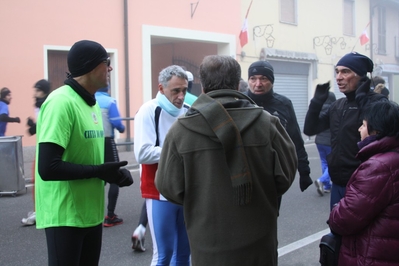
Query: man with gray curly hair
x,y
151,124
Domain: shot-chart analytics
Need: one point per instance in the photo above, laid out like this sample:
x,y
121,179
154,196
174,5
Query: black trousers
x,y
111,155
74,246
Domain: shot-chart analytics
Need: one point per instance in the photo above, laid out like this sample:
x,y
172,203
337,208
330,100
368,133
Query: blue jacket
x,y
110,114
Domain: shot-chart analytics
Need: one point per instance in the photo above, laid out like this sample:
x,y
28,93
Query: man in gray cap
x,y
343,118
70,169
260,81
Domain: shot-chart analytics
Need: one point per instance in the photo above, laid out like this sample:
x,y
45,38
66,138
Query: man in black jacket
x,y
260,81
343,118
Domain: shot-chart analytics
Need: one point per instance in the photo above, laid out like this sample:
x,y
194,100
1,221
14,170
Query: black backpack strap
x,y
157,114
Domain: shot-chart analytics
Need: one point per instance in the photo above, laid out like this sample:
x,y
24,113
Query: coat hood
x,y
231,100
217,120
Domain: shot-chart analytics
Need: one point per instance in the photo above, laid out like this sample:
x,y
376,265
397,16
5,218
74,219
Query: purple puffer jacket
x,y
368,216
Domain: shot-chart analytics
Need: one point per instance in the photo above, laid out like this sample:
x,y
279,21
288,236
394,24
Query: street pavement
x,y
301,223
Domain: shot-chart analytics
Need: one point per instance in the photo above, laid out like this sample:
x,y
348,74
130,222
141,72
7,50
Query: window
x,y
382,33
288,11
349,22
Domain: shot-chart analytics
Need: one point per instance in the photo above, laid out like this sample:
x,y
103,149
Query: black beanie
x,y
4,92
43,85
263,68
358,63
84,56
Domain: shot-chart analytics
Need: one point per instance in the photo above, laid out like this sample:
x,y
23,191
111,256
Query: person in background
x,y
138,234
343,118
227,161
261,80
243,86
70,168
5,99
367,217
380,88
323,144
151,124
377,80
42,90
190,98
111,121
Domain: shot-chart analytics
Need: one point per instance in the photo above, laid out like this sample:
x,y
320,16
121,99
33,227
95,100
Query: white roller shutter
x,y
295,88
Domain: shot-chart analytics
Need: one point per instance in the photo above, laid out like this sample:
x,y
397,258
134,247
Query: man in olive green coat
x,y
227,161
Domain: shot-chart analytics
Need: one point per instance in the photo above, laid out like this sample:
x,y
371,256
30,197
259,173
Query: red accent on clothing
x,y
148,189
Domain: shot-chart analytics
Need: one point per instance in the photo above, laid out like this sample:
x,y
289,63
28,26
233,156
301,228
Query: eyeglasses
x,y
261,79
107,62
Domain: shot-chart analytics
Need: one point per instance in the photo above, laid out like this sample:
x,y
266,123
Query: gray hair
x,y
167,73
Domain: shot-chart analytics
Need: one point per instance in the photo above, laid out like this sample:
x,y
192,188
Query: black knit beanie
x,y
358,63
84,56
263,68
43,85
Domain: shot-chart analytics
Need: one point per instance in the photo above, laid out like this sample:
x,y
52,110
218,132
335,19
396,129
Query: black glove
x,y
304,182
14,120
321,92
110,172
363,86
30,122
126,179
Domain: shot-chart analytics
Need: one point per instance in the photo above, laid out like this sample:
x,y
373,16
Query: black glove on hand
x,y
110,172
304,182
363,86
321,92
15,119
126,179
30,122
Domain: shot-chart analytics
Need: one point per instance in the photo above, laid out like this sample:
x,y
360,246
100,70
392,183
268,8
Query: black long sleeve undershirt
x,y
51,167
6,118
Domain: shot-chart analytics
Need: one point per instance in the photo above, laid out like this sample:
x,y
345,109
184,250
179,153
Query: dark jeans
x,y
337,193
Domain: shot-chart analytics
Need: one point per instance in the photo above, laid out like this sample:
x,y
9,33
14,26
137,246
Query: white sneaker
x,y
138,238
319,186
30,220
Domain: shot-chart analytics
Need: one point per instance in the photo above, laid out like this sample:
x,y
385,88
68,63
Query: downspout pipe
x,y
127,82
371,8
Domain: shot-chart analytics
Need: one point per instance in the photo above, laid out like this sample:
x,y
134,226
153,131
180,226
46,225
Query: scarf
x,y
229,135
366,141
167,105
39,101
82,92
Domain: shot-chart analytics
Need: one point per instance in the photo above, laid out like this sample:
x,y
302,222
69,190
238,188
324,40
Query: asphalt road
x,y
301,223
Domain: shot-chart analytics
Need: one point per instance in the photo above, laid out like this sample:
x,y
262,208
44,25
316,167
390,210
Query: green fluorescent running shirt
x,y
65,119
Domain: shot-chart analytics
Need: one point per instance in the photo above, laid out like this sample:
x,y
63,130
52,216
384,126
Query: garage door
x,y
295,88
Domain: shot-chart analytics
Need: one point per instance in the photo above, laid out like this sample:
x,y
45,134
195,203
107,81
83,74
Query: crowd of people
x,y
239,141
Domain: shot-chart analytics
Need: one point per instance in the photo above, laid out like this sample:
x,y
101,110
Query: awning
x,y
389,68
276,53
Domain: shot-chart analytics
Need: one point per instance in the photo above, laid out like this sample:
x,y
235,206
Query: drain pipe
x,y
127,82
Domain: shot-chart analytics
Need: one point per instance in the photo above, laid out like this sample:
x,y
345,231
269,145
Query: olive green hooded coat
x,y
227,161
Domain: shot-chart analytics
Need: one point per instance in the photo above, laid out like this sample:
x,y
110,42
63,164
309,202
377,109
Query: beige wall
x,y
315,18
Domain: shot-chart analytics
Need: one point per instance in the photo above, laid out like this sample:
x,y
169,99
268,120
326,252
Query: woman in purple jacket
x,y
368,216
